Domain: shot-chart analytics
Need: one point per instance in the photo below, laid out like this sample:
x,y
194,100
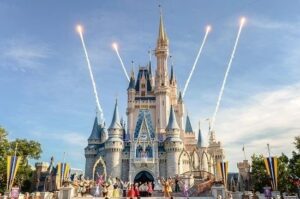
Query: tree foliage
x,y
259,176
287,169
27,149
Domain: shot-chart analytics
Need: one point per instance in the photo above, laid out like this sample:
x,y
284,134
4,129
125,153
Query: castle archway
x,y
143,176
100,168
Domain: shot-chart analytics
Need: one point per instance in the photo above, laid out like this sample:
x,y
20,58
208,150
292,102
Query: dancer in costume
x,y
167,187
186,189
116,192
177,188
105,186
131,192
149,189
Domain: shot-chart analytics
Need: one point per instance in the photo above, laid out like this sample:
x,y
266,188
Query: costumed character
x,y
177,188
124,187
149,189
186,190
116,192
131,192
105,186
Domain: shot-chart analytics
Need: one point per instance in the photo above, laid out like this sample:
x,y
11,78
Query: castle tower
x,y
180,113
162,88
189,135
130,101
114,146
173,145
98,136
173,85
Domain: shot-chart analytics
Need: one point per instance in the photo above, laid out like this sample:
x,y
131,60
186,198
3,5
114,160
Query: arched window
x,y
149,151
139,150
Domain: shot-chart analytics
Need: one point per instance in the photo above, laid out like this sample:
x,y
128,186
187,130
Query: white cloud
x,y
270,117
71,138
23,54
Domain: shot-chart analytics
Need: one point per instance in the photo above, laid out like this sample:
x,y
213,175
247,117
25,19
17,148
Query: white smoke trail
x,y
115,46
196,60
79,29
227,72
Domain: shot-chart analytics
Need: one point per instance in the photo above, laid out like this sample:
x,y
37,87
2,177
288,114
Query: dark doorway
x,y
143,176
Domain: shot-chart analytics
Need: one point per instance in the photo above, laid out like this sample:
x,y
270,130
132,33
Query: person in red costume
x,y
131,192
137,191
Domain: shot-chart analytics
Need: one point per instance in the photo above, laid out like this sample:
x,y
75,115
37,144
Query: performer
x,y
131,192
150,189
97,191
105,189
167,187
186,190
136,190
99,179
116,193
177,188
124,187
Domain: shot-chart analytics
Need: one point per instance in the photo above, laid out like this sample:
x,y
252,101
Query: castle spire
x,y
188,125
149,66
132,80
172,78
115,122
95,135
200,141
162,35
172,124
180,100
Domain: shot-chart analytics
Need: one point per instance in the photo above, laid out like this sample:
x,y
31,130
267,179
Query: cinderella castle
x,y
158,139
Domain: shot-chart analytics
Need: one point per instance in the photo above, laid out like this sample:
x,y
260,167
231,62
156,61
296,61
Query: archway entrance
x,y
143,176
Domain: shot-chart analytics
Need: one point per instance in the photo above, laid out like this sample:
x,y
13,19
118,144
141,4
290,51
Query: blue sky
x,y
46,93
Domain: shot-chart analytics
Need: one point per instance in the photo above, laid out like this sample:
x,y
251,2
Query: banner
x,y
222,169
63,171
271,164
13,163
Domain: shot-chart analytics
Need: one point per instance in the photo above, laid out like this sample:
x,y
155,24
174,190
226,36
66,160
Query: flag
x,y
243,149
63,171
222,169
13,163
271,164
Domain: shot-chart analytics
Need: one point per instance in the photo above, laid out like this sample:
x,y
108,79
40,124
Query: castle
x,y
156,141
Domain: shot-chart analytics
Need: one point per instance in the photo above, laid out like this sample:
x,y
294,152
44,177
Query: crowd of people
x,y
115,187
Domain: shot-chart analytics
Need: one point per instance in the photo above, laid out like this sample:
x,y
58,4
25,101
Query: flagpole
x,y
63,169
244,152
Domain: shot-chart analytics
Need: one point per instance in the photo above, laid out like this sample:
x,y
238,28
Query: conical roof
x,y
180,97
172,124
188,125
96,131
200,139
131,81
115,122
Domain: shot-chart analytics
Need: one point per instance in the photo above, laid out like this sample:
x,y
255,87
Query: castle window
x,y
143,93
143,85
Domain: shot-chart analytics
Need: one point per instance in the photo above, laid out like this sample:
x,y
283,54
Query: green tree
x,y
4,149
27,149
259,176
284,184
294,164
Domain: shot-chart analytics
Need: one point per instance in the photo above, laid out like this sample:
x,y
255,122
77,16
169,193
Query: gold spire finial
x,y
162,36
